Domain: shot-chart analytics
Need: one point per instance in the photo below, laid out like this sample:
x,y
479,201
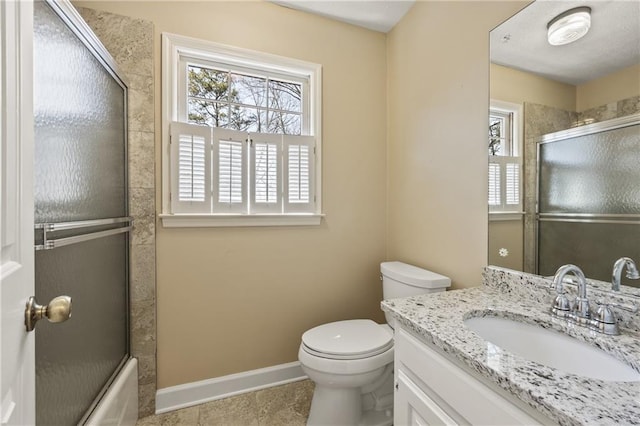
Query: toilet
x,y
351,362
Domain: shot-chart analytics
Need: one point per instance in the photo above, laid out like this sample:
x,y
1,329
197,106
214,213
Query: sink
x,y
552,348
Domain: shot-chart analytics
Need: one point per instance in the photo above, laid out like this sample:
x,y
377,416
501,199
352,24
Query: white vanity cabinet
x,y
433,390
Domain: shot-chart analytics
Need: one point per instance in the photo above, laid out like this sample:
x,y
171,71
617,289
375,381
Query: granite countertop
x,y
569,399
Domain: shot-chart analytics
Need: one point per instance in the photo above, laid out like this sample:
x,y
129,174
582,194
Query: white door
x,y
17,347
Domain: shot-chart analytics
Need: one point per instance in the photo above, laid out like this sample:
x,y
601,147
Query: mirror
x,y
580,202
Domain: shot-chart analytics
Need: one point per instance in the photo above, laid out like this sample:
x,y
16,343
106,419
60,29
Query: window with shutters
x,y
241,131
505,160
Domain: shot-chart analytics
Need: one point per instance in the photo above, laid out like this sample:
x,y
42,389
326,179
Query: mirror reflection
x,y
564,138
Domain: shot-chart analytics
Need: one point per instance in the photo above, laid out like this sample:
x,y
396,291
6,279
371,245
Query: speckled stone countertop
x,y
565,398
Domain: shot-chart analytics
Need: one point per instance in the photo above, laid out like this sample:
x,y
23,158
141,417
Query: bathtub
x,y
119,405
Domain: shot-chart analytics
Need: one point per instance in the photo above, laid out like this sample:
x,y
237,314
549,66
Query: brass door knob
x,y
58,310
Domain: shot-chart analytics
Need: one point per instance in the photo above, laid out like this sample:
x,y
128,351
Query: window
x,y
241,131
220,98
505,161
500,132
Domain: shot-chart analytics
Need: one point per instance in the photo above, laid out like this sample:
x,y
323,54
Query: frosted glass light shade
x,y
569,26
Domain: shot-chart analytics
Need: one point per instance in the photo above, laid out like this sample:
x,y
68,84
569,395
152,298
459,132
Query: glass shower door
x,y
589,199
81,216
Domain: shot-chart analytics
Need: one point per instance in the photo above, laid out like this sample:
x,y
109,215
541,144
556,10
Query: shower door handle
x,y
58,310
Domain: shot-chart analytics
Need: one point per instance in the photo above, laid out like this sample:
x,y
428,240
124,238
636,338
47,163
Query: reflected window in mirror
x,y
505,159
500,132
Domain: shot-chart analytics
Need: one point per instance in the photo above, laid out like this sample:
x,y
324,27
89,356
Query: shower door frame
x,y
72,19
589,129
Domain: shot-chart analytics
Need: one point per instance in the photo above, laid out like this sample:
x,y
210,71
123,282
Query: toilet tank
x,y
403,280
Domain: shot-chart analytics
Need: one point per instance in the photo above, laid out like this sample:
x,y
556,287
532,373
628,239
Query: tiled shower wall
x,y
540,120
130,42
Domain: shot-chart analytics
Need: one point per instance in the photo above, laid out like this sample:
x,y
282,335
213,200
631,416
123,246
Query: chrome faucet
x,y
561,305
605,320
632,272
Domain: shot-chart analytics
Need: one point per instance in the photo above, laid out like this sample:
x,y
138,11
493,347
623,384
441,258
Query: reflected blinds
x,y
504,184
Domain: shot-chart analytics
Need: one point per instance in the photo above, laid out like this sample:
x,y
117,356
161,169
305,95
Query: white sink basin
x,y
552,348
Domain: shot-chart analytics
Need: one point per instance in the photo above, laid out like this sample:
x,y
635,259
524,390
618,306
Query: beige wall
x,y
511,85
619,85
236,299
217,316
507,234
438,98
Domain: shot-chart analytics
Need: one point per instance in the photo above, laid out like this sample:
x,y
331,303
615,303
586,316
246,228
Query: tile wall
x,y
130,42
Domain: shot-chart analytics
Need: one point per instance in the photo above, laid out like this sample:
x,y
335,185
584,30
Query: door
x,y
588,200
81,214
17,353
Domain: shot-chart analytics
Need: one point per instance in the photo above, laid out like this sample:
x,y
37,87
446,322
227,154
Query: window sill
x,y
497,216
226,220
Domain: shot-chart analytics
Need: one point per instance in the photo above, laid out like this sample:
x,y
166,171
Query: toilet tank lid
x,y
412,275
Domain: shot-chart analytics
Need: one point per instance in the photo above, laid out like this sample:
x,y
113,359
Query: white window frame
x,y
504,211
175,49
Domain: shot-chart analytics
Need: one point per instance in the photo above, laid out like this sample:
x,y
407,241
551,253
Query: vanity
x,y
447,373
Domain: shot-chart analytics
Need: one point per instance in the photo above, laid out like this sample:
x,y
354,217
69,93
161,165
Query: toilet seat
x,y
347,340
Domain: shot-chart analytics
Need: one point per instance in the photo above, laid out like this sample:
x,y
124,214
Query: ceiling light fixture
x,y
569,26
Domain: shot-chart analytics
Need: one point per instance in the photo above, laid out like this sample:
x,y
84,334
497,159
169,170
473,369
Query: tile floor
x,y
286,405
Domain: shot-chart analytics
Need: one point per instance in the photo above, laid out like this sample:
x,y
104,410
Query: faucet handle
x,y
605,320
561,304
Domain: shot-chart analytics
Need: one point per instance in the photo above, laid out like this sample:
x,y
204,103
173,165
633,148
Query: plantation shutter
x,y
494,183
504,184
190,168
229,171
299,170
512,182
266,172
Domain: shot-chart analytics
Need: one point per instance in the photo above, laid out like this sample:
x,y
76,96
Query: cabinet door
x,y
464,397
413,407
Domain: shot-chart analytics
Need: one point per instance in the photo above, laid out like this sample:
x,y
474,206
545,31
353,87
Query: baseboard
x,y
189,394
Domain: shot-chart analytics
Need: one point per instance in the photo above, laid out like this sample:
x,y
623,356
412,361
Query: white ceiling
x,y
612,43
377,15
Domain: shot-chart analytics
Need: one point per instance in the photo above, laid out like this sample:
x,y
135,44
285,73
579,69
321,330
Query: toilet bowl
x,y
351,362
343,359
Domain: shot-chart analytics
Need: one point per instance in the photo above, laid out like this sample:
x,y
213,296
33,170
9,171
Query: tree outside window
x,y
231,100
500,133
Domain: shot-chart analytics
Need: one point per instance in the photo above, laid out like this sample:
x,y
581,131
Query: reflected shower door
x,y
589,197
80,176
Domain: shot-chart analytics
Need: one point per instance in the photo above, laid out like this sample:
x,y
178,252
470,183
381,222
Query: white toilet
x,y
351,362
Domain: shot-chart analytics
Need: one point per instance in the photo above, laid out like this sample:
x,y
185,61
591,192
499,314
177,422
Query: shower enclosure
x,y
82,222
589,197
